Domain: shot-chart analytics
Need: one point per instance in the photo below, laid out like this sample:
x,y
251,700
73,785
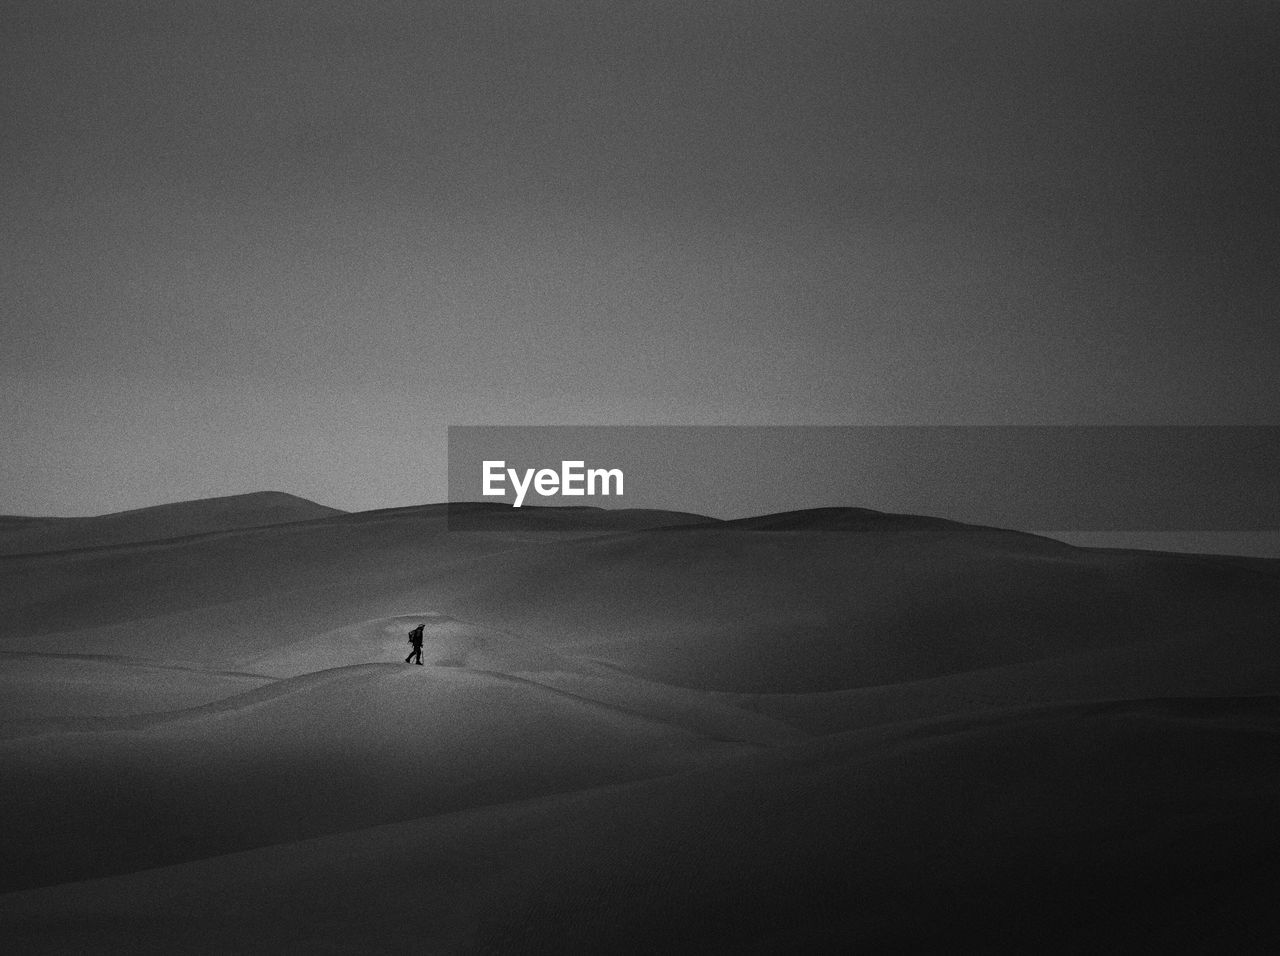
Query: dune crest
x,y
20,535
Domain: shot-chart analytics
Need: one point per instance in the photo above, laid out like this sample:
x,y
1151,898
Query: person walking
x,y
415,638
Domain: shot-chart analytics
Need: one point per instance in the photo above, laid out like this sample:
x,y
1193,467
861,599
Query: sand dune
x,y
1059,839
34,686
349,556
636,731
22,535
447,643
316,754
733,610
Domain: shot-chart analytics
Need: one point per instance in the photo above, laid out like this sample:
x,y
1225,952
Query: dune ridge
x,y
19,535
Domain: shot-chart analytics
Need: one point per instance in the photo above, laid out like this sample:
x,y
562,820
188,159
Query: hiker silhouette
x,y
415,638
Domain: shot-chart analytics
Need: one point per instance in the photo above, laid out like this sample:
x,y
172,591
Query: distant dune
x,y
845,519
1258,544
23,535
831,730
503,518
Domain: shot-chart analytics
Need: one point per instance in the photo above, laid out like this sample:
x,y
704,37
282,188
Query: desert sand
x,y
635,731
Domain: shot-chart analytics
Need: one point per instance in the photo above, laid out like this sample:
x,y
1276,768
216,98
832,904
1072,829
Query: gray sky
x,y
254,245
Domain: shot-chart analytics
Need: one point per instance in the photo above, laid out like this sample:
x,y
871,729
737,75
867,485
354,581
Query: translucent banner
x,y
1084,478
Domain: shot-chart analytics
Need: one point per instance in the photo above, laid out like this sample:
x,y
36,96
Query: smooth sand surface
x,y
635,731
